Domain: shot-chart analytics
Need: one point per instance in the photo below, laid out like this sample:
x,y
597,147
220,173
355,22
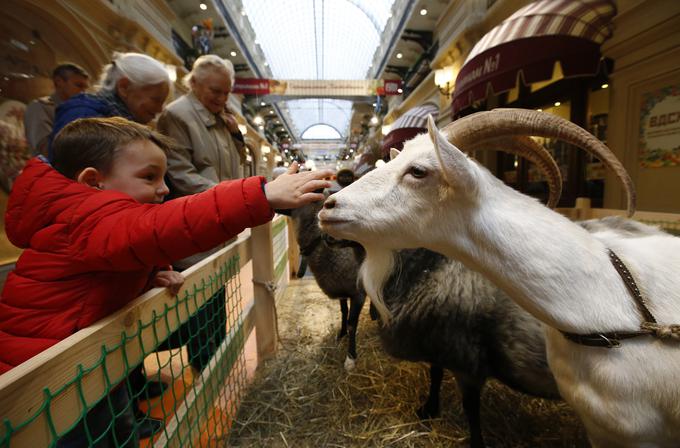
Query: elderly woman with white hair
x,y
132,86
209,143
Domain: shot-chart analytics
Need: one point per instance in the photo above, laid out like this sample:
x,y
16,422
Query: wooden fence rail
x,y
22,389
669,222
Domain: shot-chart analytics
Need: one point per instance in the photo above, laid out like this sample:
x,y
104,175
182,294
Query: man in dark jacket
x,y
69,80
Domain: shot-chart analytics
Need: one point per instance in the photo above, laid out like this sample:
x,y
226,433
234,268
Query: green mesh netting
x,y
199,369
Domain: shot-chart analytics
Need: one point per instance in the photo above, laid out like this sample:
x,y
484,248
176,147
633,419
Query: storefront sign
x,y
486,67
251,86
660,128
316,88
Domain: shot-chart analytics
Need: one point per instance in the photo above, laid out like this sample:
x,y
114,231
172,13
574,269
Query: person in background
x,y
280,169
69,79
209,149
89,227
133,86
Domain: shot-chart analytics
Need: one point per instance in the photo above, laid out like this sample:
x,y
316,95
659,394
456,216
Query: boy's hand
x,y
293,190
172,280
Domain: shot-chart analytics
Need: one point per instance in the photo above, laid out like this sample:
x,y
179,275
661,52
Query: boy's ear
x,y
90,176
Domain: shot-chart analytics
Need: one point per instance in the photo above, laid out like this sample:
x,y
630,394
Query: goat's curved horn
x,y
508,122
529,149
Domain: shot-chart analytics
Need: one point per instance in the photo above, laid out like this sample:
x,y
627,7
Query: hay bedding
x,y
304,397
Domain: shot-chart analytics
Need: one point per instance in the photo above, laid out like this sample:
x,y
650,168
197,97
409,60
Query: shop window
x,y
560,151
581,100
598,113
526,177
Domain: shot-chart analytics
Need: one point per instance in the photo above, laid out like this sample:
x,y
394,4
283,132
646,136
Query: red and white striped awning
x,y
530,42
412,123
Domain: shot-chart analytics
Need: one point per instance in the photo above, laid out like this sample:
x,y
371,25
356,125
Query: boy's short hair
x,y
65,70
93,142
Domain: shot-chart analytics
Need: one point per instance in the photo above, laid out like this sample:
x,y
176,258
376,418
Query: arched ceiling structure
x,y
308,112
319,39
320,132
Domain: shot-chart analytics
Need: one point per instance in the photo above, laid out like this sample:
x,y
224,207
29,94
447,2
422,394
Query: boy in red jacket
x,y
95,234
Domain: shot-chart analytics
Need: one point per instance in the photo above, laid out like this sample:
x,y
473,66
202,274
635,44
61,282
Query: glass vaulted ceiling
x,y
319,39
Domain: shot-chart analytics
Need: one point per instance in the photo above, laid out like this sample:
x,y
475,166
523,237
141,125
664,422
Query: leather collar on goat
x,y
649,325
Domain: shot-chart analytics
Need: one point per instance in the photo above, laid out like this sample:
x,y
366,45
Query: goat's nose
x,y
330,203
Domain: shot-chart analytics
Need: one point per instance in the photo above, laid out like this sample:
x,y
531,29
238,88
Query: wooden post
x,y
582,207
293,248
263,279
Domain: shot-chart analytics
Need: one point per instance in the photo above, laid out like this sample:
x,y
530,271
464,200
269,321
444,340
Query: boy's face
x,y
138,170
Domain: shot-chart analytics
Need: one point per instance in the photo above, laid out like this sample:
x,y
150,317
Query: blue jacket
x,y
86,105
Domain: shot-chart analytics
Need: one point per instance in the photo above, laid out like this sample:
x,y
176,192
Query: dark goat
x,y
453,318
442,313
335,268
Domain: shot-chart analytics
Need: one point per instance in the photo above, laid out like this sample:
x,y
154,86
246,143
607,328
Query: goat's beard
x,y
374,273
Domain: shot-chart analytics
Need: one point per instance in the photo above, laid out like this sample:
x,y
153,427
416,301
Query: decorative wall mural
x,y
660,128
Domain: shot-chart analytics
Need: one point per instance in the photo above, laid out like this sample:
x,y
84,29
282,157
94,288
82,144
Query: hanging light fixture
x,y
444,78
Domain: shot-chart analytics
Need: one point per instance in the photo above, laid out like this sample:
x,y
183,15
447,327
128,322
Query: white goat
x,y
434,196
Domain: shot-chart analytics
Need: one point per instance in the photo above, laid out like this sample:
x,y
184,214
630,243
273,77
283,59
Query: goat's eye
x,y
417,172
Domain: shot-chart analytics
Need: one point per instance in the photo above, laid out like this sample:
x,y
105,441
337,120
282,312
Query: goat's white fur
x,y
556,270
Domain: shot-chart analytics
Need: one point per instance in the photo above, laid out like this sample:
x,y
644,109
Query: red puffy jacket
x,y
89,252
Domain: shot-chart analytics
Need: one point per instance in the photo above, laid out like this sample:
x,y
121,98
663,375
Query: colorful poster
x,y
660,128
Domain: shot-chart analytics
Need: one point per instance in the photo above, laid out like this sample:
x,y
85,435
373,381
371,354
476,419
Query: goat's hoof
x,y
478,443
350,364
341,335
426,413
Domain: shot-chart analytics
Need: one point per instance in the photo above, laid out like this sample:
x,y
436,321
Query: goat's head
x,y
398,203
418,198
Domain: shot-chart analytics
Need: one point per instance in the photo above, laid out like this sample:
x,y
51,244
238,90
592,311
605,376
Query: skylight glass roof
x,y
320,132
307,113
319,39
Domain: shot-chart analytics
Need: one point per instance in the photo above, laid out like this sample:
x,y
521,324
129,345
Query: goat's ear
x,y
455,166
394,152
